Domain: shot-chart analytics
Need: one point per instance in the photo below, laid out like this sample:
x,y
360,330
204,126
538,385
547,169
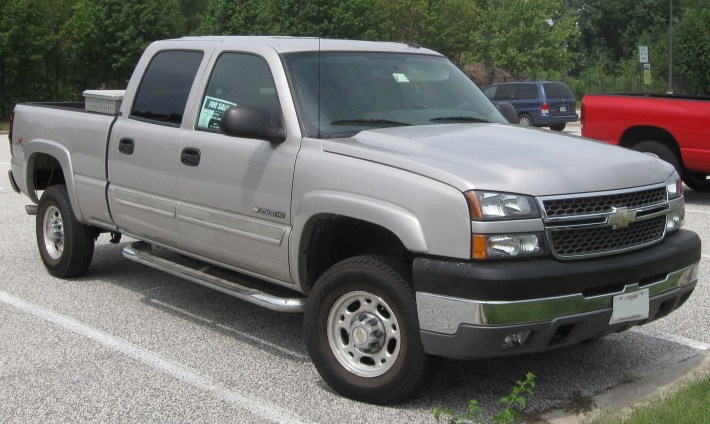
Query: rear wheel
x,y
362,333
558,127
65,245
697,181
662,151
525,120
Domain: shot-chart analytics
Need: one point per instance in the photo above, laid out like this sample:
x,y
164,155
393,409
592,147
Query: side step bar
x,y
230,283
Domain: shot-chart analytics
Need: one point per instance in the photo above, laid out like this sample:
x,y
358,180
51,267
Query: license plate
x,y
563,108
630,307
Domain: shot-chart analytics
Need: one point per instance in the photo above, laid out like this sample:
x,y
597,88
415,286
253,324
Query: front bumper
x,y
466,310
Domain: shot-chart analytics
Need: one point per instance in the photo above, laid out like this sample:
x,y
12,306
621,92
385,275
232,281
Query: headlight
x,y
674,186
499,246
488,205
675,218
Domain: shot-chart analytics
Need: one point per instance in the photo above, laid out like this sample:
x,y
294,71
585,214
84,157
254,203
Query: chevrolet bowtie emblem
x,y
621,217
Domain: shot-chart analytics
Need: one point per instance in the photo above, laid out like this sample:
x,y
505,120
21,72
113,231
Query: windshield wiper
x,y
459,119
382,122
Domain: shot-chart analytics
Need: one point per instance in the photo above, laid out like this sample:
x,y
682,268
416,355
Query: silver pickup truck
x,y
371,186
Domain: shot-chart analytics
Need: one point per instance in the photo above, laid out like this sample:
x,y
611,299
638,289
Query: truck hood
x,y
500,157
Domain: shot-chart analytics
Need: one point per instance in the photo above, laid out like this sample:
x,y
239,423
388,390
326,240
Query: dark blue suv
x,y
542,104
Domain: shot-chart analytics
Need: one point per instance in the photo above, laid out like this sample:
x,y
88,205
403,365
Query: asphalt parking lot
x,y
126,343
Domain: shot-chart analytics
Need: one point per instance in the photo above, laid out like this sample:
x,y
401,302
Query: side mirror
x,y
508,112
250,122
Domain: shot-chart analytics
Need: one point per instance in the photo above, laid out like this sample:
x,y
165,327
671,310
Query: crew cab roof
x,y
284,44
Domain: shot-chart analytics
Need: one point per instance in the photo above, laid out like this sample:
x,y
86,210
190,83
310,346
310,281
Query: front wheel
x,y
65,245
362,333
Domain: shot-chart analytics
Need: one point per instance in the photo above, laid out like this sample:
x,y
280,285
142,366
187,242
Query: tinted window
x,y
238,79
526,91
490,92
505,92
557,90
165,87
339,94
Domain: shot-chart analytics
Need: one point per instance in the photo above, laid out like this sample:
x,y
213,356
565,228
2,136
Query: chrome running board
x,y
228,282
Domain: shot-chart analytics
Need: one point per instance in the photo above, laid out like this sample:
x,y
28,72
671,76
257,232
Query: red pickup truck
x,y
675,128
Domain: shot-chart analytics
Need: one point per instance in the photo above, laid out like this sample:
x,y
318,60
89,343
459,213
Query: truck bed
x,y
78,139
676,121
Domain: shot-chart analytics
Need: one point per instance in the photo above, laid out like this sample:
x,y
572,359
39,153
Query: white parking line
x,y
229,329
257,406
695,344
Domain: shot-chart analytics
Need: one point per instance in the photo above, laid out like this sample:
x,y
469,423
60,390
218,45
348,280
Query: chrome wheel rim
x,y
524,120
53,232
364,334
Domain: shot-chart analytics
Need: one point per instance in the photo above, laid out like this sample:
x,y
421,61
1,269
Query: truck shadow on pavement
x,y
693,197
583,370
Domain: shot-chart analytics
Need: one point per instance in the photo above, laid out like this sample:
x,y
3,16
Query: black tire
x,y
697,182
525,120
558,127
364,297
65,246
662,151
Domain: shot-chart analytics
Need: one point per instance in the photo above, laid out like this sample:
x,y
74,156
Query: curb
x,y
622,400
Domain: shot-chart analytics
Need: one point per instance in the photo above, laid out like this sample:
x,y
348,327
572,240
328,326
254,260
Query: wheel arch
x,y
49,163
637,134
336,226
525,113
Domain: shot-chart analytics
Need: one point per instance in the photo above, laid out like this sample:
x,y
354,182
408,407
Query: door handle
x,y
126,146
190,156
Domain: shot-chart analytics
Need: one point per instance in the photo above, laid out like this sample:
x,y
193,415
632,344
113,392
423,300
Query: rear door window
x,y
165,87
557,90
526,92
505,92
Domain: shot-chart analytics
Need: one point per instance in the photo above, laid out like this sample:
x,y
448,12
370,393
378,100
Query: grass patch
x,y
690,405
4,126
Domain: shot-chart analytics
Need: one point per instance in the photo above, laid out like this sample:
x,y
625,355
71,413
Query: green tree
x,y
107,37
445,25
268,17
357,19
451,28
403,19
691,51
191,11
525,37
31,59
612,28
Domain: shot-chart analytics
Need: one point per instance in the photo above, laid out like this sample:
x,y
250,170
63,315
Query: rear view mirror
x,y
508,112
250,122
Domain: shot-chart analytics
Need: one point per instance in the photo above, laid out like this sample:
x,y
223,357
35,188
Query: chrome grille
x,y
604,223
565,207
569,243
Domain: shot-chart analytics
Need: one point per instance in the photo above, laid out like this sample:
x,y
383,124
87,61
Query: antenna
x,y
320,34
319,92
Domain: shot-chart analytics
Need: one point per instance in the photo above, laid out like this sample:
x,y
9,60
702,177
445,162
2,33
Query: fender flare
x,y
400,221
62,155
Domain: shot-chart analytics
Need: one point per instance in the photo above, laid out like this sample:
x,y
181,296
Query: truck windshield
x,y
339,94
